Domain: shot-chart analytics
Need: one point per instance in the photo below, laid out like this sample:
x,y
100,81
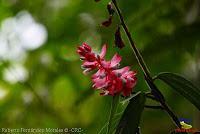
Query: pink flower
x,y
108,78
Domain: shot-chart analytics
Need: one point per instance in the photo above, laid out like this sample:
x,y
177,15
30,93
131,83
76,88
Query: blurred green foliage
x,y
166,32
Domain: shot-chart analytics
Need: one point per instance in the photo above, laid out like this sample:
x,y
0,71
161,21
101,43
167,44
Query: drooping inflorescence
x,y
109,78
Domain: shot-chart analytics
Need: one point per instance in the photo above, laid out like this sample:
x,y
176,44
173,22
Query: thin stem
x,y
133,46
145,69
171,114
154,107
152,97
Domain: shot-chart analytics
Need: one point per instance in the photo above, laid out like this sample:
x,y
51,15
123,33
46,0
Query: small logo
x,y
186,127
185,120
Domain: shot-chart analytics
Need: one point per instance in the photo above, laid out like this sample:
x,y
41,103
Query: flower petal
x,y
115,60
103,51
105,64
88,64
86,47
86,71
118,85
100,73
121,71
100,83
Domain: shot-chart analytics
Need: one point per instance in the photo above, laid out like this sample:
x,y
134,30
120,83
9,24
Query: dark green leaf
x,y
130,119
129,98
182,86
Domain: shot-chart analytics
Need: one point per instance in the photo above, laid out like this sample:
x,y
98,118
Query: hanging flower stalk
x,y
108,77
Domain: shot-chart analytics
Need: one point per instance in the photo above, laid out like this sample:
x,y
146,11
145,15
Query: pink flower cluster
x,y
108,78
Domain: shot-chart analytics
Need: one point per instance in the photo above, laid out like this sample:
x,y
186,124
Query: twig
x,y
154,107
145,70
152,97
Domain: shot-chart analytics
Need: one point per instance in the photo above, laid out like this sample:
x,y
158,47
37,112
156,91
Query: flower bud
x,y
118,39
108,22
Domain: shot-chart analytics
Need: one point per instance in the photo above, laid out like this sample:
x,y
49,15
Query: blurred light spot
x,y
46,59
43,92
192,13
8,2
57,4
191,66
27,97
3,93
34,36
19,34
87,20
15,73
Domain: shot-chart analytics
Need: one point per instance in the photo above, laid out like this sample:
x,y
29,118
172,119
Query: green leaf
x,y
129,98
182,86
130,119
115,121
115,102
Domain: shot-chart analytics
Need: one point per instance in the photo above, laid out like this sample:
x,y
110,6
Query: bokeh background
x,y
42,84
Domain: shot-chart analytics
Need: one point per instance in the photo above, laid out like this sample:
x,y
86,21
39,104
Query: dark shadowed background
x,y
42,84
